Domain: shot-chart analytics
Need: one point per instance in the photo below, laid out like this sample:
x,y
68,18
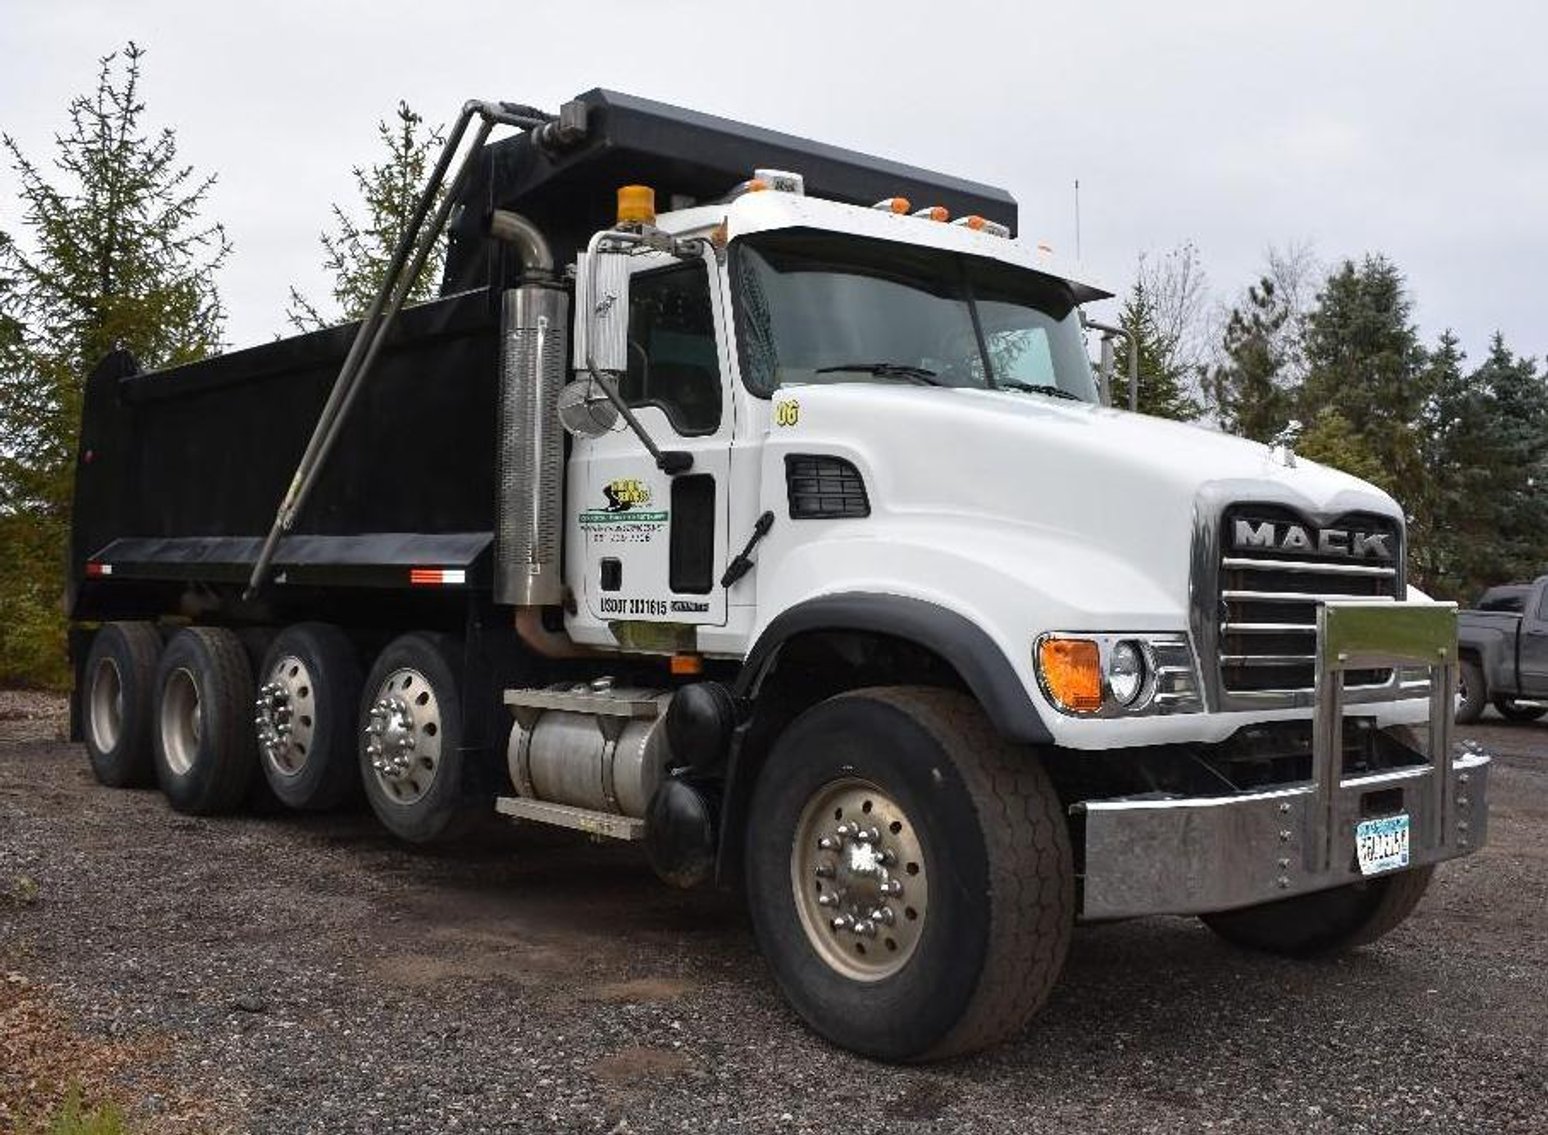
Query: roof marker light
x,y
934,213
892,204
982,225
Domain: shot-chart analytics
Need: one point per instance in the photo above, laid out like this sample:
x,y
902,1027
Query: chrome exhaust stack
x,y
534,351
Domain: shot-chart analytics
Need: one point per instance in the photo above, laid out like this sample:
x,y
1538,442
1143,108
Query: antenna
x,y
1077,219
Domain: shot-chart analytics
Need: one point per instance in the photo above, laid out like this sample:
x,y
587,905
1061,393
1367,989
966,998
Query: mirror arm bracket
x,y
670,462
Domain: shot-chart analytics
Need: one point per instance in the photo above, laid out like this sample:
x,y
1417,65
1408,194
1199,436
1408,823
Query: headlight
x,y
1118,675
1126,672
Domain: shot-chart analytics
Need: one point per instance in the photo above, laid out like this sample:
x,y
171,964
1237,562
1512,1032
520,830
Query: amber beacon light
x,y
636,205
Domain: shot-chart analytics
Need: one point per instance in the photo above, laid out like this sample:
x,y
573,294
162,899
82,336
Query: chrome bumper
x,y
1201,854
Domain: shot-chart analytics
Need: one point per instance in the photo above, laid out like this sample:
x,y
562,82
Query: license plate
x,y
1382,845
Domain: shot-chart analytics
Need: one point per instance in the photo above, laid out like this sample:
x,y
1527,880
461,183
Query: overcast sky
x,y
1416,129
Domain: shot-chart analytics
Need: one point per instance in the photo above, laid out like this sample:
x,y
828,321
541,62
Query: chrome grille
x,y
1268,595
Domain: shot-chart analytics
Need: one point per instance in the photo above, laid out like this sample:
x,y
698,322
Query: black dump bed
x,y
180,471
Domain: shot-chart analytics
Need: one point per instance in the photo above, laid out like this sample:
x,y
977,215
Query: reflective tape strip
x,y
435,577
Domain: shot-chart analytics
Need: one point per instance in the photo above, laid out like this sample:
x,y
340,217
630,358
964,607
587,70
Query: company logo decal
x,y
628,502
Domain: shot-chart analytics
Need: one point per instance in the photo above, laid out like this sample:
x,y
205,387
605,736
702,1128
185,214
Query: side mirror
x,y
602,312
584,410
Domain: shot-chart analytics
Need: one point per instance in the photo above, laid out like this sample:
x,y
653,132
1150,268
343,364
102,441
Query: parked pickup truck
x,y
1504,653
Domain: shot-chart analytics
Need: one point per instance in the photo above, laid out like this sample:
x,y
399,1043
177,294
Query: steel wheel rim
x,y
859,876
107,705
403,736
182,721
287,716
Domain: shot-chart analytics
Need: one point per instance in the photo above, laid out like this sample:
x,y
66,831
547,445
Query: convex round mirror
x,y
584,410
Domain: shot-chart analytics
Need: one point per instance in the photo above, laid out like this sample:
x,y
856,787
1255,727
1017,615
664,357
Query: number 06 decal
x,y
787,413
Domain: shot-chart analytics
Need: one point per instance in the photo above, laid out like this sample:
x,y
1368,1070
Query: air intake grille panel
x,y
1275,566
822,487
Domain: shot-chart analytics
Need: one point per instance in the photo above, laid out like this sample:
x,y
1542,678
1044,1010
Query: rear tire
x,y
308,696
1512,710
1325,922
970,944
118,693
205,752
1472,692
410,741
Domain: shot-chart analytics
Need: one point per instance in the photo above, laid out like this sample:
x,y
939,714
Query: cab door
x,y
653,544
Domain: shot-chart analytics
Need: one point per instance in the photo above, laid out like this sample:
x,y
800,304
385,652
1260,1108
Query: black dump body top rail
x,y
686,157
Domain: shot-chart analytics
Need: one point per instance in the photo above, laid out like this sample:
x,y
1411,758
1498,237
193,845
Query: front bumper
x,y
1194,855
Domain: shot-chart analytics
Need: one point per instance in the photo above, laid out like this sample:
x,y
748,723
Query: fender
x,y
971,652
981,664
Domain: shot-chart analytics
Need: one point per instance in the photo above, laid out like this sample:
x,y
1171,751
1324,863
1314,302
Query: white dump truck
x,y
757,502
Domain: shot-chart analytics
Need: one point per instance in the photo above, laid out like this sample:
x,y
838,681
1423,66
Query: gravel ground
x,y
307,974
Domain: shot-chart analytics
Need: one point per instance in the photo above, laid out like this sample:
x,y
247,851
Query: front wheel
x,y
1325,922
909,874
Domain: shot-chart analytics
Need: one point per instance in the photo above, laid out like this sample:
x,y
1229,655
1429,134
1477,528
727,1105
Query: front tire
x,y
909,874
410,741
1325,922
118,695
205,753
1472,692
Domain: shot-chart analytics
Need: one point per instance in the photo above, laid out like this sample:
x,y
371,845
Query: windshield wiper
x,y
887,370
1031,388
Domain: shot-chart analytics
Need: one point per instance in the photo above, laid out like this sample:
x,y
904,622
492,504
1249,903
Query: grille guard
x,y
1202,854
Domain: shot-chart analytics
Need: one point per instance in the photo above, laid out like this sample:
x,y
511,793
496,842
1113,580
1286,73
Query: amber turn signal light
x,y
1071,670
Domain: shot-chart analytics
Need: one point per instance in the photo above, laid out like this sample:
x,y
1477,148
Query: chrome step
x,y
607,824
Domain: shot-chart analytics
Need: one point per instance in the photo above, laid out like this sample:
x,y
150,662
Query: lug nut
x,y
892,887
826,900
827,843
824,871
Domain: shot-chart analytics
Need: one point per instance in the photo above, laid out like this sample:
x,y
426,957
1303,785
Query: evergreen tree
x,y
1517,462
1163,377
357,253
116,256
1448,506
1364,361
1247,386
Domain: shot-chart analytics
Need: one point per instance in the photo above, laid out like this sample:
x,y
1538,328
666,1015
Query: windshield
x,y
825,307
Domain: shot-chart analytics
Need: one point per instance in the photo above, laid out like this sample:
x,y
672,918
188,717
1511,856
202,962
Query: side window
x,y
673,360
1542,610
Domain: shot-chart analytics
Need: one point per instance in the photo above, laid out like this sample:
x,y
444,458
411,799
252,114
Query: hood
x,y
1123,484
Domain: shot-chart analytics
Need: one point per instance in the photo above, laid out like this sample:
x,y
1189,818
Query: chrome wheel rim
x,y
858,872
182,721
403,736
287,716
107,705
